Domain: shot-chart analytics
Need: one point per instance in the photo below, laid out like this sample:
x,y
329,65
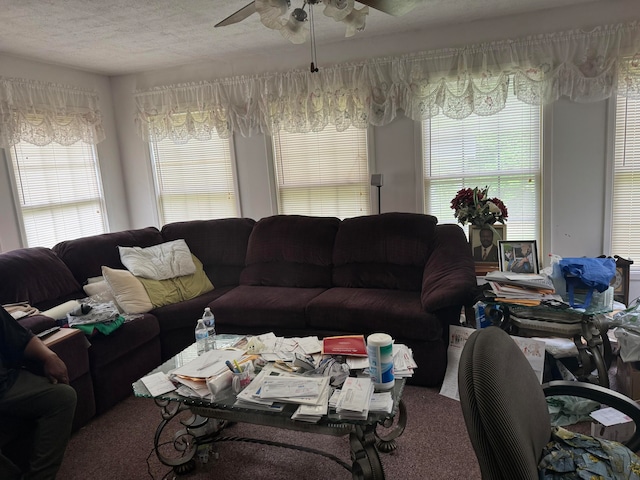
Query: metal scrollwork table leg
x,y
198,430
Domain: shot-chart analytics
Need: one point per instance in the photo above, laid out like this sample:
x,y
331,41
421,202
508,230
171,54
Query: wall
x,y
575,181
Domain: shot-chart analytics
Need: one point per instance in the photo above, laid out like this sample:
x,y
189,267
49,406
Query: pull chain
x,y
314,60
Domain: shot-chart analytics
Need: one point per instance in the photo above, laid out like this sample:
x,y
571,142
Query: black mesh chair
x,y
505,408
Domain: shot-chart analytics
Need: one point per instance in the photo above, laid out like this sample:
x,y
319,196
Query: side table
x,y
588,333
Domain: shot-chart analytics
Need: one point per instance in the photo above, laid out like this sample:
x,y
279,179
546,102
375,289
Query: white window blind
x,y
59,191
322,173
501,151
626,180
194,180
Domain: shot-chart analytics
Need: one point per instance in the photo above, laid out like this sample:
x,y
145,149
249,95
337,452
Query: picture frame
x,y
498,232
620,282
519,256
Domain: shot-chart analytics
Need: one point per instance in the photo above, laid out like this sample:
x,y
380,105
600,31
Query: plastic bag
x,y
627,332
589,274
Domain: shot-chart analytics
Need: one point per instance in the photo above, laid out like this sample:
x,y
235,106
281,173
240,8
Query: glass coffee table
x,y
189,426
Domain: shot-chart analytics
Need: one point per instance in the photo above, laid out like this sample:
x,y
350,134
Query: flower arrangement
x,y
475,207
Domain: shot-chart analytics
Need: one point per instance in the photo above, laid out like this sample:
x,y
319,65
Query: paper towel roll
x,y
380,352
61,310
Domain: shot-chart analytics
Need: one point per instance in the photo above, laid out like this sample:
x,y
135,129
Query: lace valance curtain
x,y
41,113
583,66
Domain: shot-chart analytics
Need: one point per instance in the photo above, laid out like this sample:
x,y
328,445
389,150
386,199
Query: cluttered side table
x,y
190,424
593,355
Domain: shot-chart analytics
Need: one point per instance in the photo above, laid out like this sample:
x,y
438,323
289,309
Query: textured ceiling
x,y
115,37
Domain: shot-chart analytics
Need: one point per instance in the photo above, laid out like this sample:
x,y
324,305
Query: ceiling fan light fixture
x,y
356,21
271,12
338,9
295,29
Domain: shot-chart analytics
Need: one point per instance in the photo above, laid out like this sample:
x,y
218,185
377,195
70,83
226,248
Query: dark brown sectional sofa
x,y
399,273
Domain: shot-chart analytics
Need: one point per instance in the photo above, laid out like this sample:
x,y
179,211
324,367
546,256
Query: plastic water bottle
x,y
210,322
201,336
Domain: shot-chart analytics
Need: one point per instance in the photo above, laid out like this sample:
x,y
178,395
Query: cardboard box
x,y
628,379
610,424
620,432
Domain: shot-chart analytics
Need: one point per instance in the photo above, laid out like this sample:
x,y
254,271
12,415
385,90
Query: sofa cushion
x,y
364,310
159,262
129,292
265,308
221,245
291,251
37,276
177,289
383,251
86,256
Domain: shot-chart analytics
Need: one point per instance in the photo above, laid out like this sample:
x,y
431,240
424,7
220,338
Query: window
x,y
322,173
194,180
59,192
501,151
625,234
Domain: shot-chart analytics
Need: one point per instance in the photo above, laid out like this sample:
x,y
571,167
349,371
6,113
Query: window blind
x,y
625,239
59,191
501,151
194,180
322,173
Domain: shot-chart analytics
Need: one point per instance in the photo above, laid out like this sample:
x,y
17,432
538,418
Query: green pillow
x,y
177,289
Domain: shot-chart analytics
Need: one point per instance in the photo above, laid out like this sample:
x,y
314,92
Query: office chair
x,y
505,408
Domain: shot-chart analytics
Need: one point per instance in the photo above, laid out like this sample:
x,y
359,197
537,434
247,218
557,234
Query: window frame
x,y
158,212
371,166
545,177
15,196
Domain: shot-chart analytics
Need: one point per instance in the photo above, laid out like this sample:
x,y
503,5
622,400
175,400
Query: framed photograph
x,y
518,256
484,243
620,282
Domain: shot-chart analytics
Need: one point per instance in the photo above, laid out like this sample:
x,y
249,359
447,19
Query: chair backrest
x,y
504,406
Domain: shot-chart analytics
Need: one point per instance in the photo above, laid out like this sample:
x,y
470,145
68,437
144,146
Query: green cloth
x,y
104,328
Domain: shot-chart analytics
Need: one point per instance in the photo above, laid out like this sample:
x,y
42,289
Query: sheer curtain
x,y
583,66
40,113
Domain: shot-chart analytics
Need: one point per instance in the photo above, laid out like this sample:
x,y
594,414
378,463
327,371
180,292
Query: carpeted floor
x,y
119,445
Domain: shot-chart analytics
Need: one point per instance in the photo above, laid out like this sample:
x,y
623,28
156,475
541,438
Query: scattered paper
x,y
158,383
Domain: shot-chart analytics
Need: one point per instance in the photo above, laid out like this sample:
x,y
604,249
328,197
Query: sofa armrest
x,y
449,277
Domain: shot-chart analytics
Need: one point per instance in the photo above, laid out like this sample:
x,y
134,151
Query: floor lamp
x,y
376,181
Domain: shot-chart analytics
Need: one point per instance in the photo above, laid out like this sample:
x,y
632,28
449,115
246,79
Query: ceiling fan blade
x,y
396,8
240,15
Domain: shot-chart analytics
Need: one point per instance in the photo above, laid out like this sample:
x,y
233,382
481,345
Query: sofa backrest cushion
x,y
221,245
290,251
86,256
383,251
37,276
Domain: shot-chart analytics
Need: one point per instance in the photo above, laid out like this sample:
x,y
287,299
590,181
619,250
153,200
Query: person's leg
x,y
51,408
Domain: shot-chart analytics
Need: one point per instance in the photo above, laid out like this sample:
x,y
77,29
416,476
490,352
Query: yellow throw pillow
x,y
174,290
128,291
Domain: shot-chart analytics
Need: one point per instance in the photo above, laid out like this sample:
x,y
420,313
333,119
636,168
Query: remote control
x,y
48,332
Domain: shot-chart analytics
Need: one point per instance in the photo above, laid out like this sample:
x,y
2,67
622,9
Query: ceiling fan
x,y
396,8
275,14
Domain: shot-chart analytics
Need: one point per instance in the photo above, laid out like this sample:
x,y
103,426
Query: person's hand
x,y
55,370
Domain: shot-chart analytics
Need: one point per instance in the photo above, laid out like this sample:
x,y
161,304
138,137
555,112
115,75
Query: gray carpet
x,y
118,445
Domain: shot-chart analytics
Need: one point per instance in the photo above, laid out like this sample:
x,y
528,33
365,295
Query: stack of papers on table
x,y
355,398
403,362
521,288
280,348
208,364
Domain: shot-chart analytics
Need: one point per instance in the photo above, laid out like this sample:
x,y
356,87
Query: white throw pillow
x,y
159,262
128,291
